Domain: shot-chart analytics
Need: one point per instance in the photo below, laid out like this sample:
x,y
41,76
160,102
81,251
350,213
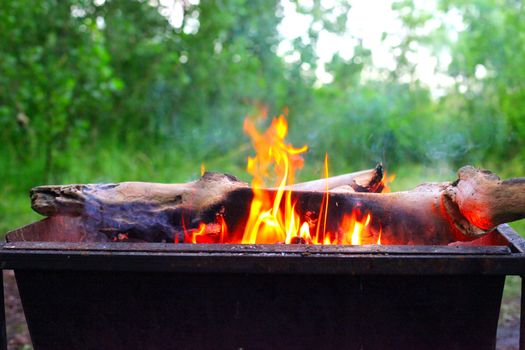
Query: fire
x,y
354,229
273,217
276,220
387,179
273,220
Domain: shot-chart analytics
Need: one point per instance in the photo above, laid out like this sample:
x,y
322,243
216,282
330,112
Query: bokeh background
x,y
116,90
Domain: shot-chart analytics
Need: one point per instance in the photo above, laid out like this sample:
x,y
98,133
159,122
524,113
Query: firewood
x,y
147,211
72,199
160,212
343,189
484,199
211,187
438,213
362,181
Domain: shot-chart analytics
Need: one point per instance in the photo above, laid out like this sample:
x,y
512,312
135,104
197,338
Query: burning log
x,y
438,213
211,187
164,212
370,180
484,200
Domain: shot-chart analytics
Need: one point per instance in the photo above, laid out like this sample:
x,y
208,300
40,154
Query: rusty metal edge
x,y
256,249
516,242
270,258
371,264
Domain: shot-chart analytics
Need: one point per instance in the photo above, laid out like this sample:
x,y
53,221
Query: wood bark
x,y
370,180
193,196
429,214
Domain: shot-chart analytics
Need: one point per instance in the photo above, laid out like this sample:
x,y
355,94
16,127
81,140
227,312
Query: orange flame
x,y
268,221
354,229
387,180
276,220
323,212
273,217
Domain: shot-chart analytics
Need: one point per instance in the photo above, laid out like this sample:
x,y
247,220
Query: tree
x,y
55,79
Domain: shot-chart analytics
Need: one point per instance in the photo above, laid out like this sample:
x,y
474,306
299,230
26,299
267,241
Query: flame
x,y
323,212
387,180
200,231
273,217
356,229
273,220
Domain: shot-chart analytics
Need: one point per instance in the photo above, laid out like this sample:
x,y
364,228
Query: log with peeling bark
x,y
162,212
438,213
370,180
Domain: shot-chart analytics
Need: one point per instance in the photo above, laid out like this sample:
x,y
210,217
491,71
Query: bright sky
x,y
367,21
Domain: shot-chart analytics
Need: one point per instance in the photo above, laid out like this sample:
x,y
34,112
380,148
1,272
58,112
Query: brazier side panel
x,y
138,310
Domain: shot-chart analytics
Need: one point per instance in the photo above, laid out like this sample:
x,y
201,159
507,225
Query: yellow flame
x,y
273,217
273,220
323,212
356,234
354,229
387,179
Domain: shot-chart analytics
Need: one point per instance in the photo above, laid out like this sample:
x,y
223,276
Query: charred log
x,y
429,214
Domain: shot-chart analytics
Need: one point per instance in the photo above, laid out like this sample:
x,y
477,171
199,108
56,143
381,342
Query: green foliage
x,y
56,80
94,91
494,42
487,101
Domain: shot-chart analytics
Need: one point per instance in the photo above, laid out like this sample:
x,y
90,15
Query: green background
x,y
110,91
